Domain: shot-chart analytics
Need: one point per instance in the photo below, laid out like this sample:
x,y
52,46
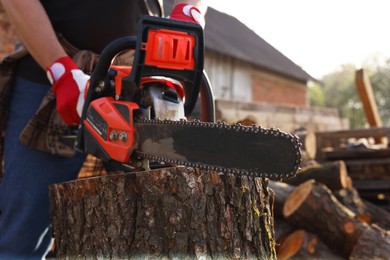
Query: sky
x,y
318,35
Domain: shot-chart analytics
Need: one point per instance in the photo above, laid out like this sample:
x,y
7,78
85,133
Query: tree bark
x,y
165,213
364,210
313,207
282,229
374,243
334,175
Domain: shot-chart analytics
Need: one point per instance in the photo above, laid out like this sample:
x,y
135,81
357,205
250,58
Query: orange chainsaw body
x,y
164,56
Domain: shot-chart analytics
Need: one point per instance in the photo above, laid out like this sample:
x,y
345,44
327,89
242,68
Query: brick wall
x,y
277,90
284,117
7,35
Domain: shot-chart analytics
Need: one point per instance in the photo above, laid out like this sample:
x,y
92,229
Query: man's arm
x,y
37,34
35,30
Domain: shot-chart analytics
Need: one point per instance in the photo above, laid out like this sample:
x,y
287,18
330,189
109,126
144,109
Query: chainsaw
x,y
138,115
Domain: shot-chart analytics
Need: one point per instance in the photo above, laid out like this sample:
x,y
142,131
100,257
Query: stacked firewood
x,y
320,215
366,153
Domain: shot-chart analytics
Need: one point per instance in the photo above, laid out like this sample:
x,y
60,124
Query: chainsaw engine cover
x,y
109,130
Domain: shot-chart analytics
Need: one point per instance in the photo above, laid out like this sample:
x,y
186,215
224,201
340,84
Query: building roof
x,y
226,35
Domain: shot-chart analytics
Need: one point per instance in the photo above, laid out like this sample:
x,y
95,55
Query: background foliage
x,y
337,89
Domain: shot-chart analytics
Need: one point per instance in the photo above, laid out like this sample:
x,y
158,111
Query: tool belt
x,y
44,130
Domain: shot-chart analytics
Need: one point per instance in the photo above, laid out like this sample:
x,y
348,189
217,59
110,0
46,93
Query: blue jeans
x,y
25,230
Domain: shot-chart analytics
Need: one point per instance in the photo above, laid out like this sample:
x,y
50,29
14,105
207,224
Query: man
x,y
53,31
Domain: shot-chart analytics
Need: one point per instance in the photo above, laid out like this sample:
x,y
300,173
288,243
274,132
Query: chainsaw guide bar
x,y
241,150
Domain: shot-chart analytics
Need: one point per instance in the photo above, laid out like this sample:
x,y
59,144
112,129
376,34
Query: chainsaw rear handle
x,y
101,70
97,80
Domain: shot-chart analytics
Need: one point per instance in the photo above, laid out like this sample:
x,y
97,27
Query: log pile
x,y
366,153
321,215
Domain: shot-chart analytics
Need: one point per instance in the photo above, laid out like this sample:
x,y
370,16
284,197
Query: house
x,y
242,66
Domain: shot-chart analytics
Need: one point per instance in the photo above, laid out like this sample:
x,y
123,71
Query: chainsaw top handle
x,y
170,48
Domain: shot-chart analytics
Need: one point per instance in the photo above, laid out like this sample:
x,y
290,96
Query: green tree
x,y
316,95
340,91
380,81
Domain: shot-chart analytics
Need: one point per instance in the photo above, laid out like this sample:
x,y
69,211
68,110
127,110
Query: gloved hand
x,y
69,84
189,13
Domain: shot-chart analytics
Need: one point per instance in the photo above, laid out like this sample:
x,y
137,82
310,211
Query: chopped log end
x,y
348,183
312,245
366,218
345,180
310,145
291,244
297,197
349,227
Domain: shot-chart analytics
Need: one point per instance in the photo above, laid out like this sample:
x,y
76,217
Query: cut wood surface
x,y
281,192
291,244
332,174
309,144
166,213
301,244
312,206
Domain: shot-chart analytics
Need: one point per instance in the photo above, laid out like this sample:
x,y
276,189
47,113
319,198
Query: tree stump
x,y
170,212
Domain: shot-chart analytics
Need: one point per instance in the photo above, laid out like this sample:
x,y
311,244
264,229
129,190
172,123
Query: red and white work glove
x,y
69,84
189,13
